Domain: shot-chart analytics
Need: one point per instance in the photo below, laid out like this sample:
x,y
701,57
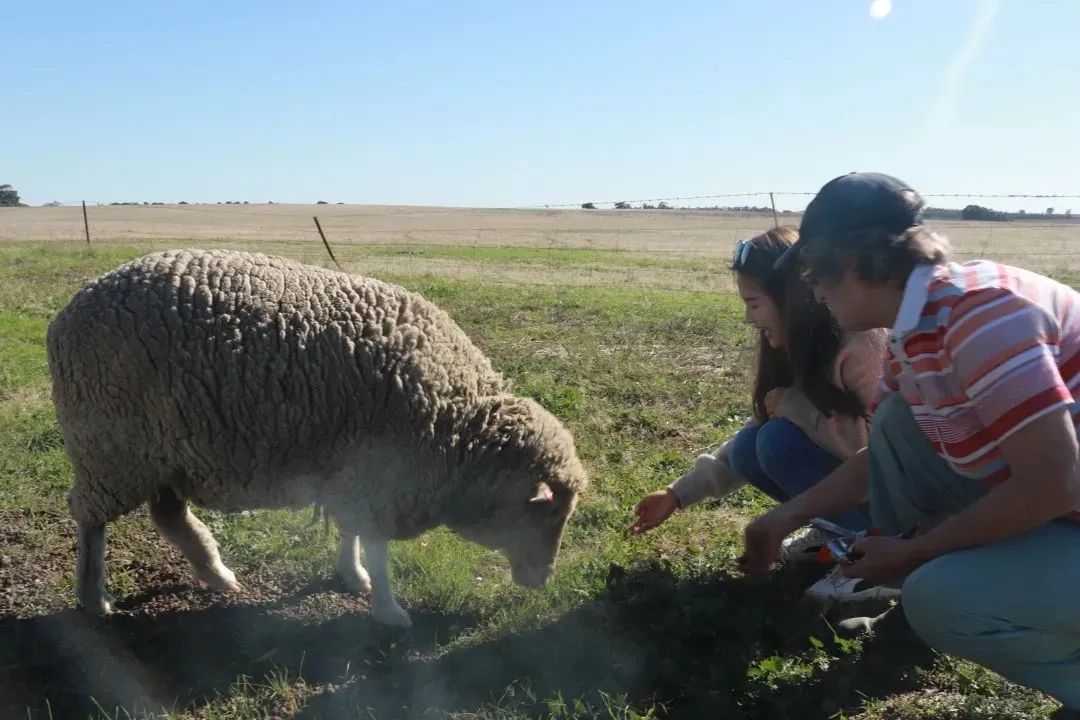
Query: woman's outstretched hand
x,y
653,510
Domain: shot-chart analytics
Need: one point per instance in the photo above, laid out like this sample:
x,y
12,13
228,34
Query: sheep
x,y
240,381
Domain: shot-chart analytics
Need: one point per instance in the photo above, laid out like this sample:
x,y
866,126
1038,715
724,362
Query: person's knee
x,y
923,605
777,447
743,452
934,604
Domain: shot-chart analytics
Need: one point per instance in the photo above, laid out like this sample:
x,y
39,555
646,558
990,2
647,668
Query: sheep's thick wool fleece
x,y
237,367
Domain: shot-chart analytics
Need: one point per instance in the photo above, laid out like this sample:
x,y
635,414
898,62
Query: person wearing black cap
x,y
974,437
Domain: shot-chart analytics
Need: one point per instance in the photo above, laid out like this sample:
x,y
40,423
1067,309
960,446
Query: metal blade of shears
x,y
833,528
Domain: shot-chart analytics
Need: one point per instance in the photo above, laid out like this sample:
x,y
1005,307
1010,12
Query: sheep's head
x,y
532,479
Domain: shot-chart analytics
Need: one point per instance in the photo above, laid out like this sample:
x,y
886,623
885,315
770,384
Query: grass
x,y
549,257
628,628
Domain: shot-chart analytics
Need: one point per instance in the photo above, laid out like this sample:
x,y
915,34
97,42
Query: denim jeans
x,y
781,461
1013,605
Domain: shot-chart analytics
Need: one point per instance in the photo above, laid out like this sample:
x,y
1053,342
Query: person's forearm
x,y
1009,509
1044,485
844,488
711,476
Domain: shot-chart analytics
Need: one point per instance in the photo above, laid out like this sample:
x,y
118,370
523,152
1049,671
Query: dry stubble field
x,y
623,324
667,248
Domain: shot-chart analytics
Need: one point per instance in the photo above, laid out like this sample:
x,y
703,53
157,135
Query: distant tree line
x,y
9,197
978,212
970,212
623,205
182,202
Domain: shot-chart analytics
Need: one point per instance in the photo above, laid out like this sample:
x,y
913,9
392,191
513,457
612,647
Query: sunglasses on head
x,y
742,251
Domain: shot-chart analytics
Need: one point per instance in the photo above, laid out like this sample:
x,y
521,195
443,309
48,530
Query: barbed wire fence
x,y
656,245
408,210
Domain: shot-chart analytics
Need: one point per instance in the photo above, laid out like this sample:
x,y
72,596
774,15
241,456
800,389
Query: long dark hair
x,y
812,334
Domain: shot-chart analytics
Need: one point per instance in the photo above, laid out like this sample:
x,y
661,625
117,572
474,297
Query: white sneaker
x,y
835,587
804,546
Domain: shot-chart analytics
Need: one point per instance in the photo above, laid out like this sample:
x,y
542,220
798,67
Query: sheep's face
x,y
529,531
534,543
530,486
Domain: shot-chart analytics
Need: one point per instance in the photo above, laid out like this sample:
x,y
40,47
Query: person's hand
x,y
762,539
653,510
772,399
881,559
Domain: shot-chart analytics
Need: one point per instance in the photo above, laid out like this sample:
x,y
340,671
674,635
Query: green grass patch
x,y
553,257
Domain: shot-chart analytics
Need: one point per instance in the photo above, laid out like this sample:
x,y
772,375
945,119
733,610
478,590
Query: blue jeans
x,y
1011,605
781,461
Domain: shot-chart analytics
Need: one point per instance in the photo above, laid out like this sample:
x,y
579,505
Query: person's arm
x,y
711,476
859,366
1045,484
870,374
865,371
848,486
1003,350
796,407
844,488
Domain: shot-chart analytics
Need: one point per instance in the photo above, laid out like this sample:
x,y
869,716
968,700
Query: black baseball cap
x,y
856,201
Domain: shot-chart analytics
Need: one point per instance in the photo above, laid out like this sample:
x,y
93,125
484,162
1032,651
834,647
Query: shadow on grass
x,y
686,643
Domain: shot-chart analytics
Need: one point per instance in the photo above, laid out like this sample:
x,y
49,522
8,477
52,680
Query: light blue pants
x,y
1012,606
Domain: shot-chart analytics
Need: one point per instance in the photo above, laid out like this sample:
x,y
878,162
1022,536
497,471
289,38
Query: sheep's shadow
x,y
70,664
649,635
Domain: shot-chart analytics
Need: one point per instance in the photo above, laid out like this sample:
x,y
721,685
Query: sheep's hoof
x,y
218,578
233,587
356,581
392,615
96,606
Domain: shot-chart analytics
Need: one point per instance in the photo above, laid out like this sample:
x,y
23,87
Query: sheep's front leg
x,y
348,565
90,569
384,606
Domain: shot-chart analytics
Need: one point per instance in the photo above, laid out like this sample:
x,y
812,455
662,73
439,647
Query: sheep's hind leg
x,y
176,523
90,569
384,606
348,565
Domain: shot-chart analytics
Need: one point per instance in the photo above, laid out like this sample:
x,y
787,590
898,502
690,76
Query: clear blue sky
x,y
498,103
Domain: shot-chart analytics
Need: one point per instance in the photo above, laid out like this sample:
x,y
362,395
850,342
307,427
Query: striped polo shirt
x,y
979,350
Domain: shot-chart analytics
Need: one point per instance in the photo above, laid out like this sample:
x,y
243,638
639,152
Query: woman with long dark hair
x,y
811,390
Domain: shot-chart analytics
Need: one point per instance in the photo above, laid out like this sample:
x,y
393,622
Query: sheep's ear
x,y
543,494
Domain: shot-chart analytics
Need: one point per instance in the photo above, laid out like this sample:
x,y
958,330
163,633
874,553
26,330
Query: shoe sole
x,y
862,596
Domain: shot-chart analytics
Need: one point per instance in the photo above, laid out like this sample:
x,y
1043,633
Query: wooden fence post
x,y
324,242
86,222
